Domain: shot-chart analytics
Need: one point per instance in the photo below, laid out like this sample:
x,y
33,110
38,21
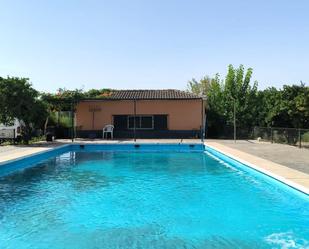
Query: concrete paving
x,y
11,152
290,156
288,175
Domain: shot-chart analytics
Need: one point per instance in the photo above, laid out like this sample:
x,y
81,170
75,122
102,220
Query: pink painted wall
x,y
182,114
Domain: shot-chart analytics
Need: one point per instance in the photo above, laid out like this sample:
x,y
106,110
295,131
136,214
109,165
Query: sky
x,y
158,44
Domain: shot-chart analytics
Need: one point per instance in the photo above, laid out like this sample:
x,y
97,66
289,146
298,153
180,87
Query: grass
x,y
305,137
33,140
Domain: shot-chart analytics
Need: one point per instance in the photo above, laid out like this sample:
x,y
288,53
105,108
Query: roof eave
x,y
119,99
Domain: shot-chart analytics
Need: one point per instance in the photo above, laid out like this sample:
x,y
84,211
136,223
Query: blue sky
x,y
152,44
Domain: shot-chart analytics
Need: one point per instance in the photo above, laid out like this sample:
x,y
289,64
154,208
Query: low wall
x,y
141,134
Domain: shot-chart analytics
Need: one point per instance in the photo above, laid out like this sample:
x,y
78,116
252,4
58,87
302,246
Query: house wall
x,y
182,114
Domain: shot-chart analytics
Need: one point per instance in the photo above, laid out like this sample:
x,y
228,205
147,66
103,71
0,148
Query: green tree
x,y
19,100
63,100
238,89
288,107
212,88
66,100
269,106
97,93
221,96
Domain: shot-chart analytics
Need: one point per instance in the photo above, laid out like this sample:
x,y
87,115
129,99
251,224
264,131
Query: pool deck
x,y
290,176
287,155
285,173
12,152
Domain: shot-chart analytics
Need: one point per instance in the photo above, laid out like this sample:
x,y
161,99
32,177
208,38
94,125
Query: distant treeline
x,y
286,107
19,100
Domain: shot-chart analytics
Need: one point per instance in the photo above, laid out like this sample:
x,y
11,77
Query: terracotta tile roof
x,y
151,94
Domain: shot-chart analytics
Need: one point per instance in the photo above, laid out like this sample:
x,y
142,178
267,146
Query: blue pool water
x,y
105,199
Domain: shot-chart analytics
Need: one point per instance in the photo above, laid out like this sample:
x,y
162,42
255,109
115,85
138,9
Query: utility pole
x,y
134,120
234,119
72,121
203,128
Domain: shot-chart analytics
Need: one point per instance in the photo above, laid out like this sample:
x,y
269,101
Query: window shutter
x,y
120,122
160,122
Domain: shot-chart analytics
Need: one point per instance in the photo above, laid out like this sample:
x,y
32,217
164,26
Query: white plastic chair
x,y
108,129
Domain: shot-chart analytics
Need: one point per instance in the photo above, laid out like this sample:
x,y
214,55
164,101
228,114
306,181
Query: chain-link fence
x,y
291,136
227,132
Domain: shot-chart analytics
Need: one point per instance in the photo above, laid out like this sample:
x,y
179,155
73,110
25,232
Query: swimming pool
x,y
146,196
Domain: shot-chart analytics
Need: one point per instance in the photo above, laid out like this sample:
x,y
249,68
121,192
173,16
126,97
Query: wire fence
x,y
227,132
291,136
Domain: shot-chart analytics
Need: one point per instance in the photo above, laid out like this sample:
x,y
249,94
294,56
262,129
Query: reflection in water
x,y
85,181
150,237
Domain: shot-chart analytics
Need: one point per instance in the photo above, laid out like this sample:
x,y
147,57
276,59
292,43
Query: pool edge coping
x,y
49,149
258,168
253,166
68,145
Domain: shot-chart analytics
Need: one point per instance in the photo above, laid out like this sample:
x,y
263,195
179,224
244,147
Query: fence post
x,y
299,138
72,121
271,135
14,137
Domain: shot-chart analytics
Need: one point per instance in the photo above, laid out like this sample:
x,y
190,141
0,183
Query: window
x,y
141,122
154,122
121,122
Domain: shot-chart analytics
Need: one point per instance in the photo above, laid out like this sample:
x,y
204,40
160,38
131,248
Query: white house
x,y
10,132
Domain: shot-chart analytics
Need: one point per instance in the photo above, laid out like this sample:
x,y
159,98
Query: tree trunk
x,y
27,133
58,118
45,125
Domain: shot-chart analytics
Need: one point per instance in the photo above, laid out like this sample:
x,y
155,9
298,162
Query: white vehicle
x,y
10,132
